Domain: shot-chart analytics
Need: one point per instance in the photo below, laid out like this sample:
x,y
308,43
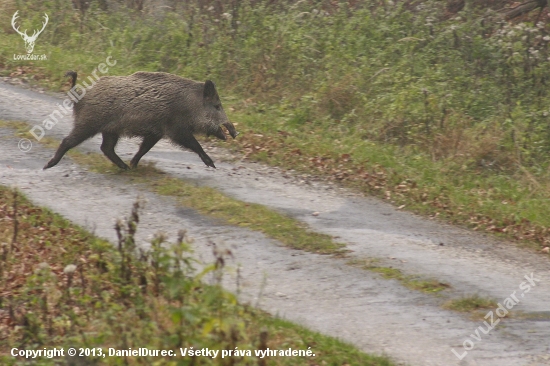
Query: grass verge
x,y
474,305
413,282
510,206
393,108
63,287
210,202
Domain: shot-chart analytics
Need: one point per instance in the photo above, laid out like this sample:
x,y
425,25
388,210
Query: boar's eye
x,y
218,107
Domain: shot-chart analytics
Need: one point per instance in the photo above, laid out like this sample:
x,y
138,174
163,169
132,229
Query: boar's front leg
x,y
188,140
231,129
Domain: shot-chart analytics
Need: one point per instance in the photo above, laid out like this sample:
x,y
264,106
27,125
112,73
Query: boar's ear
x,y
210,94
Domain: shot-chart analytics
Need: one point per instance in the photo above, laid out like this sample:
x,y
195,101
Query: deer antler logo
x,y
29,40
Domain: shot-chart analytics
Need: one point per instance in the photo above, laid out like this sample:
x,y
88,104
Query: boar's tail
x,y
72,74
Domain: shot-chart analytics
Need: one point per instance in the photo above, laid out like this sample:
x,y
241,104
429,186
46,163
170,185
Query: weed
x,y
63,287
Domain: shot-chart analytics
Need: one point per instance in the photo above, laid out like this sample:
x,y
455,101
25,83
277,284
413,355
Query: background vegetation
x,y
439,107
60,286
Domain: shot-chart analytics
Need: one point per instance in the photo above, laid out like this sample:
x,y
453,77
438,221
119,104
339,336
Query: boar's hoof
x,y
123,166
231,129
206,159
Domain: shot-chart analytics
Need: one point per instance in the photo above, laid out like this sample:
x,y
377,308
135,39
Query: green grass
x,y
498,203
212,203
256,217
448,118
410,281
471,304
123,299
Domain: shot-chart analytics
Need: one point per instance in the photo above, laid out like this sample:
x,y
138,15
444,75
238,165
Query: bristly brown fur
x,y
151,105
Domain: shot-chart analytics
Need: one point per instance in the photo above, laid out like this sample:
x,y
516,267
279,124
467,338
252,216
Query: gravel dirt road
x,y
321,292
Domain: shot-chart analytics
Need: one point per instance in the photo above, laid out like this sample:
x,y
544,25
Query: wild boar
x,y
151,105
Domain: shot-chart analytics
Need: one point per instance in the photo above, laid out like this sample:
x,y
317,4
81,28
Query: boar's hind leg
x,y
146,145
108,148
188,140
75,138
